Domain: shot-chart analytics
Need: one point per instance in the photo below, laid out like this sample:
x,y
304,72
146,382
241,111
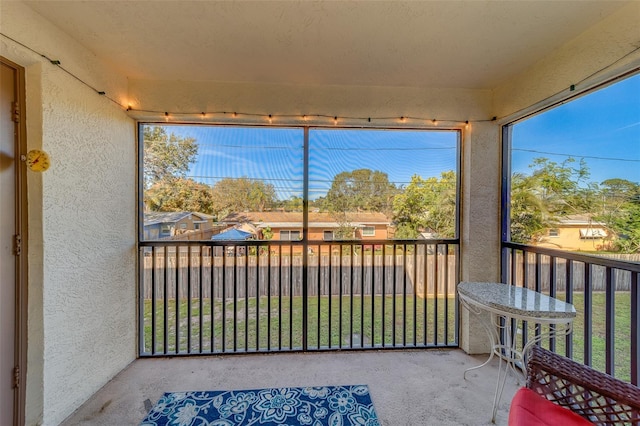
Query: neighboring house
x,y
287,226
577,232
169,224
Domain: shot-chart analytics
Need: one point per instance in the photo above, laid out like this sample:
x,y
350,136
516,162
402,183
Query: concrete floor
x,y
408,387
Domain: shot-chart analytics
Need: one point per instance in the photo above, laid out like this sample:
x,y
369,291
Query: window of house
x,y
368,231
327,236
183,226
553,232
165,229
196,226
577,162
257,175
290,235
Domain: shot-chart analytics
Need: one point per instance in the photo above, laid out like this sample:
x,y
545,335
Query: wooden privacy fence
x,y
541,266
241,272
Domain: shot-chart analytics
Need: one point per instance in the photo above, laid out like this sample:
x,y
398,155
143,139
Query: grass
x,y
263,324
622,333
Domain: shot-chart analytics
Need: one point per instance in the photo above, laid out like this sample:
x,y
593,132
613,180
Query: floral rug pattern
x,y
315,406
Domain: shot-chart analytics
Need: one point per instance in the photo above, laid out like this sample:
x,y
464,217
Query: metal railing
x,y
605,293
256,296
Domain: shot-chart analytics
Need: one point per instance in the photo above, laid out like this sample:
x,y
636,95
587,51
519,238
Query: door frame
x,y
21,305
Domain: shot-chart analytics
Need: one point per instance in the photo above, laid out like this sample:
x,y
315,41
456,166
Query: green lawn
x,y
257,326
622,332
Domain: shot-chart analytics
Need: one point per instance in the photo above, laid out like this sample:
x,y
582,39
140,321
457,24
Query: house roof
x,y
579,220
294,219
435,44
153,218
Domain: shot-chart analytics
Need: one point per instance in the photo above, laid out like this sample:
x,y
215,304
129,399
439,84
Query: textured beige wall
x,y
480,235
480,222
599,47
82,292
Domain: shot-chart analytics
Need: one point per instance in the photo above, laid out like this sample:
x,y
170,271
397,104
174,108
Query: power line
x,y
300,180
577,155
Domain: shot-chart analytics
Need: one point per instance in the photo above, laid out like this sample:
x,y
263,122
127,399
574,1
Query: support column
x,y
480,221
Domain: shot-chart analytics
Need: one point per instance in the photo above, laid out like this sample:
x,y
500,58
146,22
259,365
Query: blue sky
x,y
275,155
602,127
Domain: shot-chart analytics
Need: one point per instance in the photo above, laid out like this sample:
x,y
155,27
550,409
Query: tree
x,y
562,188
529,216
552,190
179,194
621,213
267,233
426,205
293,204
166,156
360,190
242,194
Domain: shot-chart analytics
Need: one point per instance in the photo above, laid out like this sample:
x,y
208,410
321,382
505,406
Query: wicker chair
x,y
597,397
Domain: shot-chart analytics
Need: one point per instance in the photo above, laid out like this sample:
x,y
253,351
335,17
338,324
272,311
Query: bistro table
x,y
502,308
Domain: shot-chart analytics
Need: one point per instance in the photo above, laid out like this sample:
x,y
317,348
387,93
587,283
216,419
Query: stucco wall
x,y
594,56
89,243
82,278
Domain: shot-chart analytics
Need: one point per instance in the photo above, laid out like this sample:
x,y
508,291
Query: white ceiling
x,y
461,44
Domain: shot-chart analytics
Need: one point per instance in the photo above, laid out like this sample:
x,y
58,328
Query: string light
x,y
465,123
203,114
286,118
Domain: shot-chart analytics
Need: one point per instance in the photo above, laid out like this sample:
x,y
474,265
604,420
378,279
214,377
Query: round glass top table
x,y
502,308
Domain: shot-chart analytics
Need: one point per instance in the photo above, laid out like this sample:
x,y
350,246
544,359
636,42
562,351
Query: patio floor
x,y
408,387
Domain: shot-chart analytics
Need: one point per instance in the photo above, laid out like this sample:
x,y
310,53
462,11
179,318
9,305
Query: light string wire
x,y
58,64
305,117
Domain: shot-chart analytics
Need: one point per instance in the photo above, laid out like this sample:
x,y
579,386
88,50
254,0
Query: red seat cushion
x,y
530,409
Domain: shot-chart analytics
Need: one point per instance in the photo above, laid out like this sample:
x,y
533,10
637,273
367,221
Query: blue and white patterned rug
x,y
314,406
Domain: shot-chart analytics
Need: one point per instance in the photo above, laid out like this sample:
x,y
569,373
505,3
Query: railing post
x,y
588,313
635,329
610,299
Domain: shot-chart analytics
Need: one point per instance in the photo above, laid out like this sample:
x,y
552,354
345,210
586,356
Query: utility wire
x,y
577,155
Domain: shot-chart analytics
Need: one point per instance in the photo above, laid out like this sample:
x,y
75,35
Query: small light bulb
x,y
166,116
203,115
129,108
270,119
335,120
235,115
466,124
304,117
403,119
435,122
